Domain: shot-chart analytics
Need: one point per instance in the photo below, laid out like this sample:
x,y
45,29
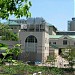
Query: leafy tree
x,y
7,33
9,51
17,7
56,71
69,54
15,51
3,28
51,59
2,45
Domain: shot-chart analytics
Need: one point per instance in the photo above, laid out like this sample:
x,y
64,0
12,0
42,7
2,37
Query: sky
x,y
55,12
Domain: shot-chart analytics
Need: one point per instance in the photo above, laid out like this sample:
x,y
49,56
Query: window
x,y
31,39
49,43
11,27
42,28
64,42
37,27
54,42
31,28
74,43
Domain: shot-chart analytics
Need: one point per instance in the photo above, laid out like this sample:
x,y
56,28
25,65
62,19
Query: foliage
x,y
7,33
2,45
16,50
10,36
51,59
14,69
3,28
21,68
13,51
69,54
56,71
17,7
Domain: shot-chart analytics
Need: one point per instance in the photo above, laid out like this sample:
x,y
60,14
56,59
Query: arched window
x,y
31,39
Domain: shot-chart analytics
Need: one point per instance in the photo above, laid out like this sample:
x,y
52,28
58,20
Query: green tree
x,y
9,51
51,59
14,50
7,33
17,7
56,71
69,54
3,29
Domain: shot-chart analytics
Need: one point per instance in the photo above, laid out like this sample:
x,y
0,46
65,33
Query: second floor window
x,y
54,42
74,43
49,43
64,42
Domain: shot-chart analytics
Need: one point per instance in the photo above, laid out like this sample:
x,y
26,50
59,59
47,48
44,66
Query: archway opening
x,y
31,48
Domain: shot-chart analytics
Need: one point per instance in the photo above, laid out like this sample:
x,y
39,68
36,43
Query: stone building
x,y
39,39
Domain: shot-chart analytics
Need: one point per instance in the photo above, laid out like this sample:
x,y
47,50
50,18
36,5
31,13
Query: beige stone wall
x,y
42,44
59,42
46,45
38,35
72,26
52,30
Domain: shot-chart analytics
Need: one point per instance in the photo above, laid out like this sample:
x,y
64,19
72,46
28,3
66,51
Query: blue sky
x,y
56,12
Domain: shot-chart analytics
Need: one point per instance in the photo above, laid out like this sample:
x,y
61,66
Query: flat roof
x,y
55,36
59,36
65,31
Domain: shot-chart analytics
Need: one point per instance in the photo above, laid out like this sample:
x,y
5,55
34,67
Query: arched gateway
x,y
31,48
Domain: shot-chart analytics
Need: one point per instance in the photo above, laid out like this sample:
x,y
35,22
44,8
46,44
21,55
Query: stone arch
x,y
31,38
31,48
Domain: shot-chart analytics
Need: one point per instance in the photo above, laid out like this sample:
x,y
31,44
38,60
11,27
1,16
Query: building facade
x,y
39,39
71,25
34,37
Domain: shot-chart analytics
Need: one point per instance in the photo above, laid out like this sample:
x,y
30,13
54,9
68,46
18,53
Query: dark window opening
x,y
54,42
31,39
11,27
60,51
64,42
31,29
49,43
37,29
